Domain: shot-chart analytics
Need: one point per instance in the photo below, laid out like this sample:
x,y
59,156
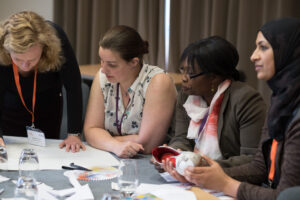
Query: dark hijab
x,y
284,37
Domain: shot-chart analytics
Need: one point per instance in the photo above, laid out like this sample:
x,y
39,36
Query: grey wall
x,y
42,7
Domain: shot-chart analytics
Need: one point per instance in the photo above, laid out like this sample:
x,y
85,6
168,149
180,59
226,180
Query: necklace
x,y
119,122
124,92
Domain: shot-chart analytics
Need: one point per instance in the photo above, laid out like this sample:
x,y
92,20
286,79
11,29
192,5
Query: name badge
x,y
35,136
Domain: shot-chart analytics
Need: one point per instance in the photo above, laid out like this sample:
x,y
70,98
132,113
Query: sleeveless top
x,y
129,119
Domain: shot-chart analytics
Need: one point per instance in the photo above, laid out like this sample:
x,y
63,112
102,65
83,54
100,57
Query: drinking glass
x,y
28,166
3,158
26,191
28,163
128,177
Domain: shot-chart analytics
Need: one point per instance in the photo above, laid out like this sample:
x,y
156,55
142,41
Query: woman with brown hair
x,y
36,59
131,103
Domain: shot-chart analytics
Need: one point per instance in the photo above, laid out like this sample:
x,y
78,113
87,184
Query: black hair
x,y
213,55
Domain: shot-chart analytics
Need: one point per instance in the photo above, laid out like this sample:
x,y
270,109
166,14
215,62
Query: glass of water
x,y
28,166
3,158
128,177
28,163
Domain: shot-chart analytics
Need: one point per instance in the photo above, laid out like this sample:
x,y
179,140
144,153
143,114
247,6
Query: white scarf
x,y
196,109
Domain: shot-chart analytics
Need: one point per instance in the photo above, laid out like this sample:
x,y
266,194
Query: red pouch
x,y
163,152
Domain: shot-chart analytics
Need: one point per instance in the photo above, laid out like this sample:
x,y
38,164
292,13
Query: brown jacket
x,y
287,161
241,119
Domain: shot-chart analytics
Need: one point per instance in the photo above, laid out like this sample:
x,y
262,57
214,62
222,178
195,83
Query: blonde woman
x,y
36,59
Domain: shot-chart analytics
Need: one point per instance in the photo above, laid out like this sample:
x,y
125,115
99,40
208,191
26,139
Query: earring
x,y
212,88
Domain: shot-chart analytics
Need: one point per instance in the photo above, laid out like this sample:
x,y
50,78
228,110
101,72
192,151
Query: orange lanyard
x,y
272,158
17,81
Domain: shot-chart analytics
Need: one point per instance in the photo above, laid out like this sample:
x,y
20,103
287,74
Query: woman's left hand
x,y
211,177
168,167
72,143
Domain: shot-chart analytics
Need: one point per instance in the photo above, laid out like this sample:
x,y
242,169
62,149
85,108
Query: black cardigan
x,y
48,109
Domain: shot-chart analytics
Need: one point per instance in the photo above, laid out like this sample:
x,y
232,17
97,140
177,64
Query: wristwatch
x,y
74,134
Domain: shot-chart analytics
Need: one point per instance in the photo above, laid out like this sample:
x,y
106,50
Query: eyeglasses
x,y
186,71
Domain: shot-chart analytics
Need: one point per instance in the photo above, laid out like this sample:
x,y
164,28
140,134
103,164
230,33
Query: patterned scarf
x,y
204,121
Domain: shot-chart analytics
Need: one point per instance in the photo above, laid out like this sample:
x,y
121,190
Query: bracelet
x,y
74,134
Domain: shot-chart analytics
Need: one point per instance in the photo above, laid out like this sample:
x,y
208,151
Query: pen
x,y
75,167
69,168
79,167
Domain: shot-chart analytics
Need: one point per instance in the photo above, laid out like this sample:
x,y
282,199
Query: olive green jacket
x,y
240,121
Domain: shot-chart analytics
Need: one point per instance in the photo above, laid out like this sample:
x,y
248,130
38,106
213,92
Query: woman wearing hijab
x,y
276,165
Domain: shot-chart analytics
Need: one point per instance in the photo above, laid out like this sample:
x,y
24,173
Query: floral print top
x,y
132,115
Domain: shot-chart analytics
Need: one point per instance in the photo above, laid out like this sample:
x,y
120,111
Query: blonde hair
x,y
25,29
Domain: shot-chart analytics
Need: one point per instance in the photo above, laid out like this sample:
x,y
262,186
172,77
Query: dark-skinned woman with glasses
x,y
216,114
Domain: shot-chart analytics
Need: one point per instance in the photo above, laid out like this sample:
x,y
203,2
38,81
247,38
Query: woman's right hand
x,y
168,167
128,149
157,166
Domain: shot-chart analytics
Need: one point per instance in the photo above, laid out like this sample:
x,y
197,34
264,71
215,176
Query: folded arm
x,y
157,113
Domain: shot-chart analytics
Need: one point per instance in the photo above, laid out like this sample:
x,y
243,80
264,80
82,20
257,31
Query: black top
x,y
48,108
284,37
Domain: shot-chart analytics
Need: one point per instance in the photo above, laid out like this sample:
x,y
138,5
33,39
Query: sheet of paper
x,y
52,157
218,195
82,193
43,193
62,193
166,191
168,177
3,178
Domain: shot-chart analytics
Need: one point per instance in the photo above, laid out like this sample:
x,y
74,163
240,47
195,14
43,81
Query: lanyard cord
x,y
17,82
202,124
272,158
119,125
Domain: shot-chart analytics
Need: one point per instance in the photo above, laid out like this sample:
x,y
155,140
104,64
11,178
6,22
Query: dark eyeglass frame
x,y
191,76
